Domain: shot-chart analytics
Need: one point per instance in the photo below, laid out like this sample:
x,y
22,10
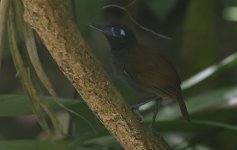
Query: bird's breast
x,y
147,72
120,60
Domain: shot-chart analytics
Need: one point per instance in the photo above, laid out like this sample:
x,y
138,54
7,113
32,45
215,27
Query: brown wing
x,y
153,72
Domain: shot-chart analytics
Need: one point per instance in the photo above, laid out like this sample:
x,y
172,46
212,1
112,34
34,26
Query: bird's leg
x,y
157,106
136,107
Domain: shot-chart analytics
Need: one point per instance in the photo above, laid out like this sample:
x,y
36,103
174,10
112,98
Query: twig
x,y
135,22
131,3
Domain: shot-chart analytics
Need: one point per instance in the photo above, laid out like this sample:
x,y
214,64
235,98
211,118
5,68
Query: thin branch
x,y
135,22
131,3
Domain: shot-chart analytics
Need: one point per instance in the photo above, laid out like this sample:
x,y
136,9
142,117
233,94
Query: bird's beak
x,y
98,27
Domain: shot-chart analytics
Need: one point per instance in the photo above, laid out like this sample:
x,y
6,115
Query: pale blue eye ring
x,y
122,32
118,31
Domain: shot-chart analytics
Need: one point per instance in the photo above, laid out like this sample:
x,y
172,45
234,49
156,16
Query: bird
x,y
152,76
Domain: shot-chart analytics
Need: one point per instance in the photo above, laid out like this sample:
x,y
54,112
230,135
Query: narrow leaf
x,y
229,61
4,6
18,105
31,145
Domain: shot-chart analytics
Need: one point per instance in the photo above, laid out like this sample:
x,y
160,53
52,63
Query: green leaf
x,y
226,64
161,7
197,103
205,121
17,105
31,145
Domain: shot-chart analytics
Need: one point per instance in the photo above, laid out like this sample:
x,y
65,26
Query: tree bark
x,y
54,25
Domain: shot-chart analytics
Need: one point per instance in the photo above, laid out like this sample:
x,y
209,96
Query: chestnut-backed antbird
x,y
152,76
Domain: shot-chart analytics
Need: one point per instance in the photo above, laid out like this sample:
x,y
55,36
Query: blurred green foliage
x,y
18,105
32,144
81,8
200,37
160,7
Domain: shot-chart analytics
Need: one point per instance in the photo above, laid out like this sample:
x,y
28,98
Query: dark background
x,y
202,32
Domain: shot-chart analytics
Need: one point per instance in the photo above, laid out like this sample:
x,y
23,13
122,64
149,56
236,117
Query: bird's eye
x,y
118,31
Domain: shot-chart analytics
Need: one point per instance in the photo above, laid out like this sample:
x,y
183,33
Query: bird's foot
x,y
137,112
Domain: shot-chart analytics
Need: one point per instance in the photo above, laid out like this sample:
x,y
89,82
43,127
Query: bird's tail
x,y
183,108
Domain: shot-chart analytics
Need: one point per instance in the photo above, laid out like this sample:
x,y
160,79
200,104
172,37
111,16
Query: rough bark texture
x,y
60,35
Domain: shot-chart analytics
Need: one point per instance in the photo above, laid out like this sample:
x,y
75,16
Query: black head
x,y
119,36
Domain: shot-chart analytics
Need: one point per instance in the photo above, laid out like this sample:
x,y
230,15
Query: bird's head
x,y
118,35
